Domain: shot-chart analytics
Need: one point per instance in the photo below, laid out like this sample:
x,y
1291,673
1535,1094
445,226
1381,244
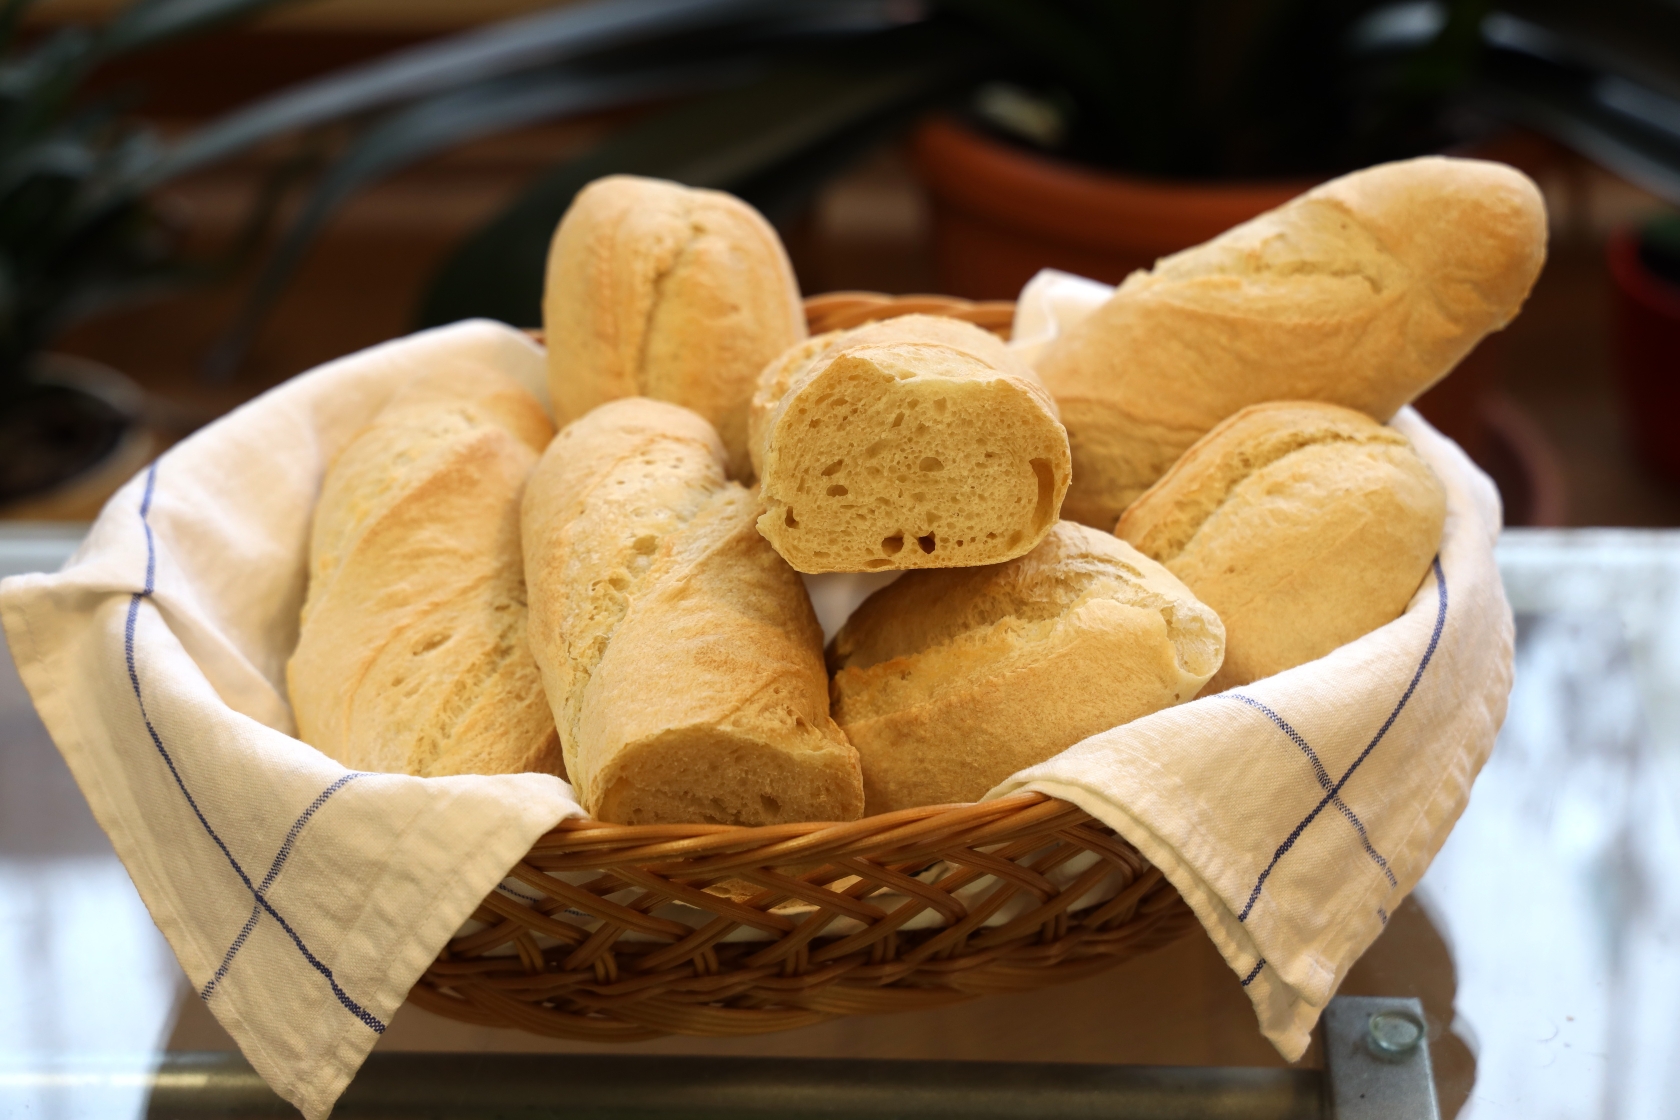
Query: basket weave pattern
x,y
1011,894
604,986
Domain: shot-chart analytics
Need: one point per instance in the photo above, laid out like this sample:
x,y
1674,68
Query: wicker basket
x,y
620,933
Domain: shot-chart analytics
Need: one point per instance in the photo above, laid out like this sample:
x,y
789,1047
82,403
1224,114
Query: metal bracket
x,y
1376,1060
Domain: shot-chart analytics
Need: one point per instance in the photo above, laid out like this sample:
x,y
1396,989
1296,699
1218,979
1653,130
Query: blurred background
x,y
202,198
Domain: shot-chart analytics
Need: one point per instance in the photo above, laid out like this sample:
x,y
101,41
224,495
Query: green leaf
x,y
145,23
36,87
773,141
454,63
443,122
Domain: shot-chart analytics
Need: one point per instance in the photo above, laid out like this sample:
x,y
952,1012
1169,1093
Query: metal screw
x,y
1394,1035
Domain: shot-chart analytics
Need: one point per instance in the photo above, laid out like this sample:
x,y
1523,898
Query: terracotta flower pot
x,y
1000,213
1646,340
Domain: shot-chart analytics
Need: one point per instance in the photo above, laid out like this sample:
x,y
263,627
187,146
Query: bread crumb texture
x,y
1305,525
918,442
412,656
949,681
680,654
1362,292
660,290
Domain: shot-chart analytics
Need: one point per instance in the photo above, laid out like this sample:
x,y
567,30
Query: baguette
x,y
947,682
658,290
680,654
1305,525
1362,292
411,656
918,442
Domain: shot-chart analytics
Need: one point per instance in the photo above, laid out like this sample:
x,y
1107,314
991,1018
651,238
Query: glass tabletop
x,y
1543,944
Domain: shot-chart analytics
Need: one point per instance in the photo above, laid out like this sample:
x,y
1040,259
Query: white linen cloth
x,y
1295,813
1051,302
302,900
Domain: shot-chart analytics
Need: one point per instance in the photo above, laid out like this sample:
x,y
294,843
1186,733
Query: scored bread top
x,y
1167,517
411,656
1362,292
916,442
949,623
659,290
679,652
1305,525
949,681
1431,253
659,466
411,440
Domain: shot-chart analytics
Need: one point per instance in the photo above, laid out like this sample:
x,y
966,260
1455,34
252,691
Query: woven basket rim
x,y
651,843
830,311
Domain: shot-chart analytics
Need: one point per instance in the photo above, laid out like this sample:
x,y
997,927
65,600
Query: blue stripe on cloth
x,y
350,1005
1428,654
1253,972
145,511
520,895
274,873
1321,774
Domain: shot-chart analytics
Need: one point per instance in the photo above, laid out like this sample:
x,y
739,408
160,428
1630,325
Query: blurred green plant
x,y
1195,88
1187,89
78,231
764,98
772,97
768,99
1235,88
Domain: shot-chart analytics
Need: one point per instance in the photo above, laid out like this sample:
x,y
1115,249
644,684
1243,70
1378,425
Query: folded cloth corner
x,y
1295,813
302,899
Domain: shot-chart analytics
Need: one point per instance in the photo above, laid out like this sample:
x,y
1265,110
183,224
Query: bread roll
x,y
1304,525
1362,292
948,682
679,653
411,656
659,290
918,442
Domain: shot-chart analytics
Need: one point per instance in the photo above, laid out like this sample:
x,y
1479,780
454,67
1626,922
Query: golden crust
x,y
679,653
949,681
659,290
411,656
1362,292
1305,525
